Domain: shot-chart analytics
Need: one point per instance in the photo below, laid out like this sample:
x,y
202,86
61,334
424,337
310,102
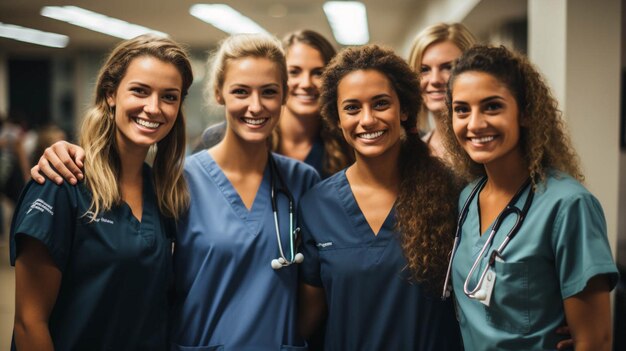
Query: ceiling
x,y
387,24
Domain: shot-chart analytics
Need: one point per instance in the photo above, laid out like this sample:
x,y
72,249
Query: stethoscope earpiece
x,y
299,258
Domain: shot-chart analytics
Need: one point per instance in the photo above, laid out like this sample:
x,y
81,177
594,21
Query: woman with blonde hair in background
x,y
432,56
93,261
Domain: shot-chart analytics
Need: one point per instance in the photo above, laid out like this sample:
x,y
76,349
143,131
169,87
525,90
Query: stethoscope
x,y
476,292
278,187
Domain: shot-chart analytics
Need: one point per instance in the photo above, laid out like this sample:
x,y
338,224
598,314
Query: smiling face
x,y
485,119
369,113
252,95
305,66
146,102
437,63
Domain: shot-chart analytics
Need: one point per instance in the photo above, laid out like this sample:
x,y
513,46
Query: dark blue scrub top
x,y
116,270
372,304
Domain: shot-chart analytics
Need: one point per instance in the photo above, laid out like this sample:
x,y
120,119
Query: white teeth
x,y
482,140
254,121
372,135
147,124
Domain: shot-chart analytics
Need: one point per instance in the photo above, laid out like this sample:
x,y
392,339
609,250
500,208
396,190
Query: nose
x,y
368,120
476,122
437,77
152,104
305,81
255,105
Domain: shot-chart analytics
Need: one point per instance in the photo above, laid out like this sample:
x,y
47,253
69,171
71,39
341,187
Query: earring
x,y
112,112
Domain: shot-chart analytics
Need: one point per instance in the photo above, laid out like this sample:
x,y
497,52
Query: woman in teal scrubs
x,y
376,235
506,135
93,261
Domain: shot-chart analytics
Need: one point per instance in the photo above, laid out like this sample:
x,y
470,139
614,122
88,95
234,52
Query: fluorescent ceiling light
x,y
96,22
33,36
225,18
348,20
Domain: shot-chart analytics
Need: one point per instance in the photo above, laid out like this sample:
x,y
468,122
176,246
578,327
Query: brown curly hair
x,y
337,153
426,205
544,140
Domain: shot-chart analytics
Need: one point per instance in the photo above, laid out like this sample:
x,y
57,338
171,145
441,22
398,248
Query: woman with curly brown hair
x,y
356,223
532,249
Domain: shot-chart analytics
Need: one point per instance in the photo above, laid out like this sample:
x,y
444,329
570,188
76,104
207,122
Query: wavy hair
x,y
338,154
426,205
544,140
97,137
456,33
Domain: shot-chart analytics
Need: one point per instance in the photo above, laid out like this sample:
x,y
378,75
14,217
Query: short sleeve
x,y
46,213
310,267
580,244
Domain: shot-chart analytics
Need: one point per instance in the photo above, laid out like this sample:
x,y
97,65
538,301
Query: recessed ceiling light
x,y
348,20
225,18
33,36
96,21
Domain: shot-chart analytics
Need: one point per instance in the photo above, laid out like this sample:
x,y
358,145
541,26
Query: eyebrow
x,y
487,99
379,96
239,85
148,86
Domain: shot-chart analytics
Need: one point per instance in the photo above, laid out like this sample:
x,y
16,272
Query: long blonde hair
x,y
456,33
97,137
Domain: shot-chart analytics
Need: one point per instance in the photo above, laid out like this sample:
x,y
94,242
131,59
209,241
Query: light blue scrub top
x,y
228,297
561,244
372,302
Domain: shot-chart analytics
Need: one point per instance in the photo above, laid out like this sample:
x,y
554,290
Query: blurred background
x,y
577,44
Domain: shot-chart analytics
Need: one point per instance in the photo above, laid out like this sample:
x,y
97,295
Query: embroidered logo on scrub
x,y
324,245
41,206
90,215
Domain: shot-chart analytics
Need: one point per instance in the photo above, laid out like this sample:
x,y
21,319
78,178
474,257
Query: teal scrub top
x,y
561,244
116,271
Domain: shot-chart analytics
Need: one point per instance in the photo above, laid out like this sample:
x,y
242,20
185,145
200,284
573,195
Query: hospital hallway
x,y
7,284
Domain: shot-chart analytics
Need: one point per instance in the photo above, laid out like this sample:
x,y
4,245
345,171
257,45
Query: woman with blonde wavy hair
x,y
93,260
376,235
432,56
532,249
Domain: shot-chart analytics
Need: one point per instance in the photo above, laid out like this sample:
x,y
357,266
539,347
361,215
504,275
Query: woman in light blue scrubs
x,y
227,294
506,134
376,235
93,261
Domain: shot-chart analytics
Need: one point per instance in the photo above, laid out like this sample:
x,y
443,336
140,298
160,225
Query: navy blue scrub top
x,y
116,271
228,297
372,304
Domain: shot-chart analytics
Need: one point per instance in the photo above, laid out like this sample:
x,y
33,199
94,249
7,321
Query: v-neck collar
x,y
355,214
253,217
